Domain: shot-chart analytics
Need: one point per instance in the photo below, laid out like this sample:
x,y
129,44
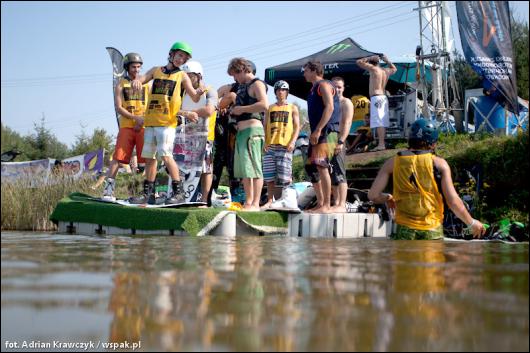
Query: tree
x,y
12,140
44,144
85,143
465,76
520,51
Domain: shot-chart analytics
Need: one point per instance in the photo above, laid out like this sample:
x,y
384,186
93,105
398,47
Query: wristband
x,y
472,223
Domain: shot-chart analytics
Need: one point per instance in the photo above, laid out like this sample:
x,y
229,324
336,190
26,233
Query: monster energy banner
x,y
485,33
117,71
338,59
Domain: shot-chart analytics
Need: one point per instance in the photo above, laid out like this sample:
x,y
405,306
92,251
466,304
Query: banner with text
x,y
486,40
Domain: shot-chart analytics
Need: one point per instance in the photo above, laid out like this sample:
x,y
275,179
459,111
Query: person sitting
x,y
362,138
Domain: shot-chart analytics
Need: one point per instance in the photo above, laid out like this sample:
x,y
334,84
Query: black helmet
x,y
423,130
131,58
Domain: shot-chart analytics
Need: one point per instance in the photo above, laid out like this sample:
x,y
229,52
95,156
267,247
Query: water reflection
x,y
261,293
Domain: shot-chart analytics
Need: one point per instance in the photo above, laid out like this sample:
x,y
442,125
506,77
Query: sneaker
x,y
176,199
147,195
287,201
108,191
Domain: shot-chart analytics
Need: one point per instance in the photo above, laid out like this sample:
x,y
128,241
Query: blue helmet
x,y
423,130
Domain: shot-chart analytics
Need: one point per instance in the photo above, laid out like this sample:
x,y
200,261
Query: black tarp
x,y
338,60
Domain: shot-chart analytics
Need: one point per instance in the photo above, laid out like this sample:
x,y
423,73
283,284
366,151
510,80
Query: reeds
x,y
28,202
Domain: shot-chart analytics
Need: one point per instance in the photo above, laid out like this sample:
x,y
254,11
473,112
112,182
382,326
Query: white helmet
x,y
192,66
281,85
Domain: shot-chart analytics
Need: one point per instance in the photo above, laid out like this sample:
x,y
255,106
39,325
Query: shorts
x,y
320,155
126,141
338,169
278,165
248,150
158,141
207,165
406,233
379,111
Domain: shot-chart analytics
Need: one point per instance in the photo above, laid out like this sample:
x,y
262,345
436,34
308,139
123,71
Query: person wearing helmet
x,y
251,103
130,105
161,121
282,126
417,196
203,129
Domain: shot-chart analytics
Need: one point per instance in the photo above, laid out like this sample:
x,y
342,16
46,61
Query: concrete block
x,y
350,226
335,225
297,223
318,226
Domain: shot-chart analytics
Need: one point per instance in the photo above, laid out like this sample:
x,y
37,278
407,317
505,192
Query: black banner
x,y
486,40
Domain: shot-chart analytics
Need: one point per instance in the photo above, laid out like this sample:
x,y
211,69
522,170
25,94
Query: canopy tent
x,y
407,69
338,60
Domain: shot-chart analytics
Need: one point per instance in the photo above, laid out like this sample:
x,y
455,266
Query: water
x,y
263,293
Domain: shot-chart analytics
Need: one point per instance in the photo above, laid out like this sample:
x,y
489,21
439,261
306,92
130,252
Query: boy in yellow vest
x,y
416,197
282,126
130,106
161,120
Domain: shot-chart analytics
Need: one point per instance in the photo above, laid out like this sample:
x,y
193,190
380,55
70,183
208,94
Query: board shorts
x,y
278,165
127,139
158,141
379,111
337,170
248,151
406,233
320,155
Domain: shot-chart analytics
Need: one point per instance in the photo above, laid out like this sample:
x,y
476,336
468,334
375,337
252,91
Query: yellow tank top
x,y
134,102
419,203
165,99
361,107
279,124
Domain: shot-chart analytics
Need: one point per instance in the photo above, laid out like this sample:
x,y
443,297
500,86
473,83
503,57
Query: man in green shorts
x,y
250,105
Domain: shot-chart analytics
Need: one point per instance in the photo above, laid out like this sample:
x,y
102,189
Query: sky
x,y
54,63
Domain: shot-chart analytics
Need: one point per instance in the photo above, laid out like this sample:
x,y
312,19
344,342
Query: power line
x,y
359,17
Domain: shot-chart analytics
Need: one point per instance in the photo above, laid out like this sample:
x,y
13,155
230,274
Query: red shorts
x,y
127,139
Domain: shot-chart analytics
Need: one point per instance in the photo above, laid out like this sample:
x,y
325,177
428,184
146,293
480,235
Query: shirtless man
x,y
378,101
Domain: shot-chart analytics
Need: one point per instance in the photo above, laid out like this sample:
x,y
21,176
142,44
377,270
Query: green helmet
x,y
131,58
185,47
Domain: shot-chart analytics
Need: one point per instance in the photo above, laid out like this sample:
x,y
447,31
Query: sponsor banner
x,y
486,40
34,170
40,170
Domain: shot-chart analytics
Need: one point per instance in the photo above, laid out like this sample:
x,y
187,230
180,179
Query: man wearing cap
x,y
161,120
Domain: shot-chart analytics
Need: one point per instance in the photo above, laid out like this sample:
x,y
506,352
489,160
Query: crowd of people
x,y
255,140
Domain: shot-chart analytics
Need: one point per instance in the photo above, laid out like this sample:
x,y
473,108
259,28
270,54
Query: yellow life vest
x,y
165,99
134,102
279,124
361,107
419,203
